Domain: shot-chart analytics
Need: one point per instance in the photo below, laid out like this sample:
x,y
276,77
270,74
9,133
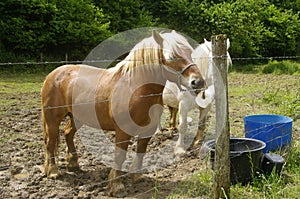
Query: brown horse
x,y
126,99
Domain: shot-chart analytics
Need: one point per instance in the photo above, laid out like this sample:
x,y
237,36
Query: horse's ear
x,y
207,44
157,37
228,43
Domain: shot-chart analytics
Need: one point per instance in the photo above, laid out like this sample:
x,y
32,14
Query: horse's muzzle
x,y
198,85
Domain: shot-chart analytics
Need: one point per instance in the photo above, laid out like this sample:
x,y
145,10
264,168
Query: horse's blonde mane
x,y
145,53
149,53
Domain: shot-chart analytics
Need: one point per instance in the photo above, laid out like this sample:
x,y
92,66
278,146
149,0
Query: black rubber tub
x,y
245,158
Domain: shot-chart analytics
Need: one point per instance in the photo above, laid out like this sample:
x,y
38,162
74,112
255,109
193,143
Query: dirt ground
x,y
22,153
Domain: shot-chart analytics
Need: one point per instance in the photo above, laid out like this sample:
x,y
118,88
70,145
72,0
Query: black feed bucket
x,y
245,158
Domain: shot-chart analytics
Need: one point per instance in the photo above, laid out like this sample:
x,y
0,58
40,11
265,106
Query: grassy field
x,y
258,94
248,94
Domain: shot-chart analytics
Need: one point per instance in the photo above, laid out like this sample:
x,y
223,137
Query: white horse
x,y
184,101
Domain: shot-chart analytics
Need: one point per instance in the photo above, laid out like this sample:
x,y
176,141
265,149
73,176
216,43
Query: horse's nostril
x,y
193,82
198,83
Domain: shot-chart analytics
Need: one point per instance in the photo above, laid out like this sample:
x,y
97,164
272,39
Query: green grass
x,y
197,185
20,91
284,101
257,94
285,185
248,94
272,67
281,67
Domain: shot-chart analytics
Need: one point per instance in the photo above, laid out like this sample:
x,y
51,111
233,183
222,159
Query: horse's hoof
x,y
172,129
198,142
117,189
73,167
135,177
179,151
52,172
53,176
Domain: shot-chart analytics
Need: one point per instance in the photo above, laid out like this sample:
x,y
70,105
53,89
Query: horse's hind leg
x,y
173,113
71,154
51,139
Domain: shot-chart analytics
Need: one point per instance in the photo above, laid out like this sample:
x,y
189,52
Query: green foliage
x,y
240,21
25,25
246,68
32,27
287,4
78,27
269,185
283,31
282,67
48,29
126,14
189,17
254,27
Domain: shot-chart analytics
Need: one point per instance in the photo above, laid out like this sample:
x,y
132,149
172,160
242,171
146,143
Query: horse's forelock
x,y
201,57
175,43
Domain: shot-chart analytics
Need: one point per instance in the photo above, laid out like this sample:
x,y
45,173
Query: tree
x,y
79,26
126,14
32,27
284,31
255,28
25,25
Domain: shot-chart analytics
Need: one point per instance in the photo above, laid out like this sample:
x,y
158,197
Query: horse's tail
x,y
44,127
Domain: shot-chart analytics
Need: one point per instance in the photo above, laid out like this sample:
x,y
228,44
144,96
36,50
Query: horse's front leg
x,y
116,187
137,163
201,126
182,127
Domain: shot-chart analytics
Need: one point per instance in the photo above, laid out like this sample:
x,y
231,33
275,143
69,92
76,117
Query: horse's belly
x,y
169,98
93,115
171,101
104,118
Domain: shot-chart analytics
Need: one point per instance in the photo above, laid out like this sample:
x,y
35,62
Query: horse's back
x,y
58,87
55,83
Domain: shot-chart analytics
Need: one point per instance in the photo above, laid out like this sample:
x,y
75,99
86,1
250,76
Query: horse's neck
x,y
146,76
141,80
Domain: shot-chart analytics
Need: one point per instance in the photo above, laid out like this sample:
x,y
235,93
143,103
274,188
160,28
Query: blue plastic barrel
x,y
274,130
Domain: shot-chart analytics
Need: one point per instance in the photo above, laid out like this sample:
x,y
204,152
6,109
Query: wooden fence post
x,y
221,181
